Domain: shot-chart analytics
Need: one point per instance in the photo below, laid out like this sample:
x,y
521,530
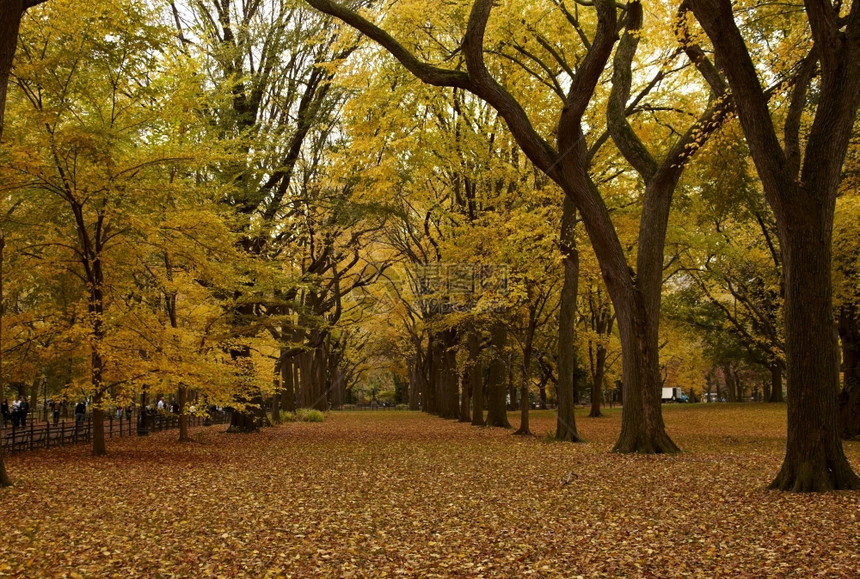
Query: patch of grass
x,y
309,415
302,415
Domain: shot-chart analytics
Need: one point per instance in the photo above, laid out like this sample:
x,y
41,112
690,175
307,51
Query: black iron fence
x,y
45,434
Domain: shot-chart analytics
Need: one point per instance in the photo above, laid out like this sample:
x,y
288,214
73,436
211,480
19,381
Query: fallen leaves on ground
x,y
401,494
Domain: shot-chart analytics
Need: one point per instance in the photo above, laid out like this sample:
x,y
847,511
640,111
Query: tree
x,y
11,12
800,171
99,147
635,294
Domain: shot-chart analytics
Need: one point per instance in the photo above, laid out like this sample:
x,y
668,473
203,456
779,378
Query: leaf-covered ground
x,y
382,494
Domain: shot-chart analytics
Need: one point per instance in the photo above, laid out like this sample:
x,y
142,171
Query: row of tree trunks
x,y
311,379
435,385
566,421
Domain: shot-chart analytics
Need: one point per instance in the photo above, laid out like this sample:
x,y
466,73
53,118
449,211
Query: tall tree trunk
x,y
642,427
776,382
512,386
320,385
451,381
496,405
338,382
305,362
434,373
565,428
465,397
476,378
288,384
597,381
11,12
277,384
98,425
800,178
414,386
729,379
524,392
849,397
815,460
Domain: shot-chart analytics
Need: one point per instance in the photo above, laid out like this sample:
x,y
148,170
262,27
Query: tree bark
x,y
597,381
414,386
497,414
814,460
642,427
476,378
565,426
11,12
776,382
451,382
320,389
801,187
524,392
288,384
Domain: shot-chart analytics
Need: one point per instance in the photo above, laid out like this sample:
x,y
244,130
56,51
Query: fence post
x,y
31,433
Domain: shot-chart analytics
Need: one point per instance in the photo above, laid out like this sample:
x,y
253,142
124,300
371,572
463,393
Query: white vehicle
x,y
674,395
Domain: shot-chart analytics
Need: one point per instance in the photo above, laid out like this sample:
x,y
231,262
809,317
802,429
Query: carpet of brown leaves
x,y
387,494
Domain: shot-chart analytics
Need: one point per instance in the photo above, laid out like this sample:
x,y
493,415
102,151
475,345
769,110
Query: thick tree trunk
x,y
849,397
243,422
5,481
465,397
496,407
512,386
276,407
729,378
642,428
431,398
320,385
565,428
800,185
11,12
476,378
776,382
524,393
288,385
451,381
304,383
597,381
414,386
814,460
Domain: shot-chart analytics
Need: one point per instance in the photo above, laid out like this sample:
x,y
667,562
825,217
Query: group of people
x,y
16,413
